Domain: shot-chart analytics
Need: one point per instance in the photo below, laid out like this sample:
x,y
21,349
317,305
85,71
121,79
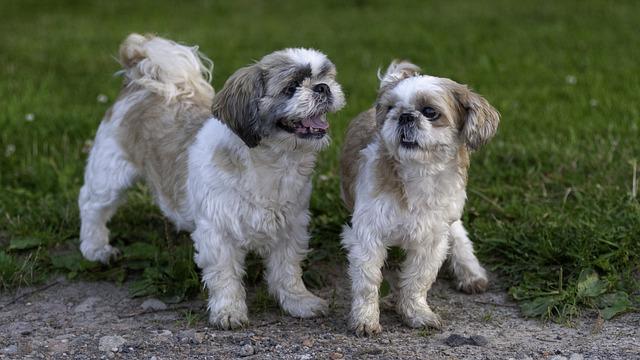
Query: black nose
x,y
406,118
322,89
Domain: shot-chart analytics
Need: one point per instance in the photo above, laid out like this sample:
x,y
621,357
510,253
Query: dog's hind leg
x,y
470,275
107,175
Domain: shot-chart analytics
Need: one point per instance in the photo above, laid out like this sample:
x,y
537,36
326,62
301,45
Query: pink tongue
x,y
315,122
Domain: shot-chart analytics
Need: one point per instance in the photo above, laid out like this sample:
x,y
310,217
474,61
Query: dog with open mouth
x,y
404,173
233,169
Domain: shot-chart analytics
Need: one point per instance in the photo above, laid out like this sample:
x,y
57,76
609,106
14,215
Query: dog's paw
x,y
422,317
305,306
103,254
229,318
365,328
475,285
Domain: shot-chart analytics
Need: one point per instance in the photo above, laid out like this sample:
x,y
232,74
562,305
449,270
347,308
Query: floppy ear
x,y
237,104
398,70
479,119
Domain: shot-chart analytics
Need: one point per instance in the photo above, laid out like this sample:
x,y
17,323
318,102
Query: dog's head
x,y
419,115
283,99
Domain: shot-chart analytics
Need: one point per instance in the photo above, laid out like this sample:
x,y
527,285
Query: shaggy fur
x,y
404,171
238,181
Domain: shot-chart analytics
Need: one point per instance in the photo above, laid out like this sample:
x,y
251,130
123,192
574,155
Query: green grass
x,y
550,208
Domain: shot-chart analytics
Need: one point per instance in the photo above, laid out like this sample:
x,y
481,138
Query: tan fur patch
x,y
463,163
155,136
228,161
388,180
360,133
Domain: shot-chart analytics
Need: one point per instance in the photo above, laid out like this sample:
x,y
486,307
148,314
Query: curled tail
x,y
398,70
164,67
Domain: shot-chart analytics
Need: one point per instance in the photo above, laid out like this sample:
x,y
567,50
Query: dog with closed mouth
x,y
404,173
233,169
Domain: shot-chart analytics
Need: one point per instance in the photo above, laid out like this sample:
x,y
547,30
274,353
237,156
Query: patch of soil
x,y
92,320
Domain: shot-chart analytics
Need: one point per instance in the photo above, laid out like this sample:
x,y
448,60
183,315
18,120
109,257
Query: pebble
x,y
111,343
166,333
336,356
307,342
10,350
576,356
246,350
87,304
305,357
153,305
558,357
455,340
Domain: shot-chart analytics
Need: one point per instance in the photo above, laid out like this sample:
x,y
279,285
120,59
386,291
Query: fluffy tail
x,y
174,71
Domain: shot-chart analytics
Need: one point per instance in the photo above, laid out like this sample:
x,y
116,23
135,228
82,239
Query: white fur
x,y
263,208
307,56
424,226
174,71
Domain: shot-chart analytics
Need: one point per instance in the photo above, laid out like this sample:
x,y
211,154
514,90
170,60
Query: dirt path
x,y
85,320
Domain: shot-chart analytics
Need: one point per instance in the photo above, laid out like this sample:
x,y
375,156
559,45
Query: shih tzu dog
x,y
234,169
404,172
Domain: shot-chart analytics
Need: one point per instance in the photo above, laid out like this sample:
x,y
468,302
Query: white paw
x,y
229,317
305,306
421,316
473,285
365,327
103,254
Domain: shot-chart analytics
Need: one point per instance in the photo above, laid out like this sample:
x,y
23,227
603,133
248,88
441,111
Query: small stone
x,y
455,340
87,304
576,356
336,356
108,343
385,341
153,358
10,350
153,305
558,357
246,350
29,117
102,98
307,342
479,340
166,333
305,357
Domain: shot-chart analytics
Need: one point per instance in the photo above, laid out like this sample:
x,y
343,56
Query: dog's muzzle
x,y
408,130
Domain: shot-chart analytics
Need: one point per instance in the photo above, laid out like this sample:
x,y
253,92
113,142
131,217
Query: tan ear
x,y
479,119
397,71
237,104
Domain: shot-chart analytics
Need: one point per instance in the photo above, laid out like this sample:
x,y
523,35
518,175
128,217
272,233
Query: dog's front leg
x,y
366,257
222,262
284,274
419,271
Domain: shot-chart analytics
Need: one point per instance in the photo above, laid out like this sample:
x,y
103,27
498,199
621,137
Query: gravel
x,y
94,320
111,343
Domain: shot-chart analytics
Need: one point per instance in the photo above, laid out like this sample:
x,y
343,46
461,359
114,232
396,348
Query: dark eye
x,y
430,113
389,108
289,91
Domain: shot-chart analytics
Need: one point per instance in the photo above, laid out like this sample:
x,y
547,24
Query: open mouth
x,y
314,127
408,141
409,144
